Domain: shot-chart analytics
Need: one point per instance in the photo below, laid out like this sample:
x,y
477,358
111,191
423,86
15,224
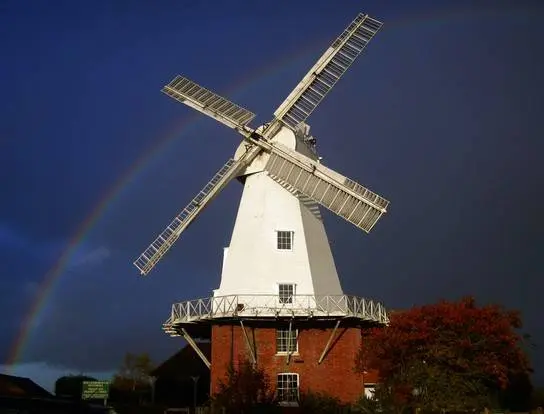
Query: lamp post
x,y
195,381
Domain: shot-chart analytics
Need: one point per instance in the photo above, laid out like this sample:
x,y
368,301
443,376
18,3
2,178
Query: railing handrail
x,y
271,295
266,305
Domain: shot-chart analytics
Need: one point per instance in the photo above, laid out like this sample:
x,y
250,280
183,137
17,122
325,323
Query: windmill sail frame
x,y
164,241
328,70
294,171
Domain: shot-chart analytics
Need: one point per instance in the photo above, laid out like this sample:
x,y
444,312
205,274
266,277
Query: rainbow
x,y
53,276
161,146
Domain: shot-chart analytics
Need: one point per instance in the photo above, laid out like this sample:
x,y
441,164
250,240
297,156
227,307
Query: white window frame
x,y
287,402
369,386
286,299
294,332
279,241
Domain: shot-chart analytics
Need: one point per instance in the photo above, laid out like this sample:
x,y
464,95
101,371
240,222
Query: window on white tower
x,y
286,291
287,388
284,240
284,343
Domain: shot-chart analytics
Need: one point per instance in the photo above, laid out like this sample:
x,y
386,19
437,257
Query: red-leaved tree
x,y
450,355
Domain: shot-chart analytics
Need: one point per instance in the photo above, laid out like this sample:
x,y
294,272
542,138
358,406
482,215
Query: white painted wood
x,y
252,264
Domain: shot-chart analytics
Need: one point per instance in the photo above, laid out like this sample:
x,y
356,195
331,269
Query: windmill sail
x,y
342,196
327,71
207,102
149,258
307,179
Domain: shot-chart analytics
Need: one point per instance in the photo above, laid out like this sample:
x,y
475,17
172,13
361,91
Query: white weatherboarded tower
x,y
278,267
283,232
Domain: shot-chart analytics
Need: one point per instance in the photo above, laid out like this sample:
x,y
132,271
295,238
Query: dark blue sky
x,y
442,115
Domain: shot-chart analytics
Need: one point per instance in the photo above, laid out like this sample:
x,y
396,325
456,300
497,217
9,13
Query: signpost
x,y
95,390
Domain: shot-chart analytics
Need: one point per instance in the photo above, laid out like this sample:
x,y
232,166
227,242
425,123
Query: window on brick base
x,y
283,345
369,390
287,388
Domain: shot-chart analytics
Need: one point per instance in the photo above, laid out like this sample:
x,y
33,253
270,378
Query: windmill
x,y
278,268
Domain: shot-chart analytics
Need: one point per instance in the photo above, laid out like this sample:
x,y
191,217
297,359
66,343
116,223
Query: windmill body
x,y
279,285
252,263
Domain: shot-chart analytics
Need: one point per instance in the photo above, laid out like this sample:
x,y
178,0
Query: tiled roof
x,y
13,386
184,363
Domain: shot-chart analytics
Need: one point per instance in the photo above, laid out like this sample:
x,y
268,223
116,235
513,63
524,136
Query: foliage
x,y
518,396
71,386
450,355
319,403
537,398
134,373
245,390
383,402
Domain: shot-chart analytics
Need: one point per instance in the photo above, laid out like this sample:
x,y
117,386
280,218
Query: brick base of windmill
x,y
325,339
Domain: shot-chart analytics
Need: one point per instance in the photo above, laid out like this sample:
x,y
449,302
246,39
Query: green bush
x,y
245,390
321,403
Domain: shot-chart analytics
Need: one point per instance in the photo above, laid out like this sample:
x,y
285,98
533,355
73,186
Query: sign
x,y
98,390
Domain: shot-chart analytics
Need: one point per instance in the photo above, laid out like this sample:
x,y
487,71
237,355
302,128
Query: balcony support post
x,y
289,352
248,343
193,344
328,345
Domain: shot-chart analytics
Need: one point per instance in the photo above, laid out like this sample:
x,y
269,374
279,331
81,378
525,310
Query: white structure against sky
x,y
279,261
268,213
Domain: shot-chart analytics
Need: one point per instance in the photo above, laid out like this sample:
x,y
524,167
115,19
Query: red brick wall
x,y
335,376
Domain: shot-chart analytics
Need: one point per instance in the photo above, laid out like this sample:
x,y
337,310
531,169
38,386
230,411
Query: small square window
x,y
286,291
369,390
283,344
285,240
287,388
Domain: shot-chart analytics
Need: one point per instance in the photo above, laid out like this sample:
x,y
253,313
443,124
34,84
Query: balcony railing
x,y
265,306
